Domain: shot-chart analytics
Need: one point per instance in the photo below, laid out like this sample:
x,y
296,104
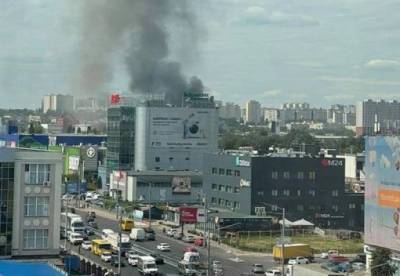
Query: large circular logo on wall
x,y
91,152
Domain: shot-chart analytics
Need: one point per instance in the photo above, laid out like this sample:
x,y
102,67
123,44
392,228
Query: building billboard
x,y
382,192
182,127
181,185
188,214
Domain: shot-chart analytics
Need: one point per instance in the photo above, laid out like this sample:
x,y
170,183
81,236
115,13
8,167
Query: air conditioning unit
x,y
46,183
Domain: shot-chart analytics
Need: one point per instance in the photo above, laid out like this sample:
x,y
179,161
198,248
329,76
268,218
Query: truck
x,y
71,223
192,257
291,251
137,234
113,239
147,265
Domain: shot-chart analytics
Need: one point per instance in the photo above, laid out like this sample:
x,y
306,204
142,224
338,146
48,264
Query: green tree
x,y
380,263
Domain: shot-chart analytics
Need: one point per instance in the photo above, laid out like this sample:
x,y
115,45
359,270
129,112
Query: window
x,y
298,192
300,175
286,175
214,186
228,204
274,208
311,175
37,174
157,159
362,207
221,171
300,208
335,192
36,238
260,193
237,190
311,192
213,200
335,208
214,170
221,188
236,205
237,173
36,206
228,172
352,206
274,192
286,192
229,189
274,175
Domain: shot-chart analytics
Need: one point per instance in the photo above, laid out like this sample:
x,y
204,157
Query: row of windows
x,y
225,188
222,171
36,239
157,159
300,175
37,174
301,208
36,206
225,203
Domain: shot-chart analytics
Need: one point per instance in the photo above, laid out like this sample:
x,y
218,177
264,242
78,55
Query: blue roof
x,y
12,268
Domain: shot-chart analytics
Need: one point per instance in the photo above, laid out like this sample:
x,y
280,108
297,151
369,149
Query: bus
x,y
101,246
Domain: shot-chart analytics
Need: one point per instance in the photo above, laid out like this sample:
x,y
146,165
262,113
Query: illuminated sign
x,y
332,163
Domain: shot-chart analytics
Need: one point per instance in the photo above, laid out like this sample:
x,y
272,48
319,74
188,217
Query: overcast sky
x,y
317,51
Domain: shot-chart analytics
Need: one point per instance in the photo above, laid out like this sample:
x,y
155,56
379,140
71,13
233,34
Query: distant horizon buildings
x,y
377,117
253,112
58,103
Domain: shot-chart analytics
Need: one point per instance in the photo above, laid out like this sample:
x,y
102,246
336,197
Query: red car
x,y
190,249
199,242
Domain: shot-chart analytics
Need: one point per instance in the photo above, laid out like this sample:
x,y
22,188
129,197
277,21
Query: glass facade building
x,y
120,138
6,207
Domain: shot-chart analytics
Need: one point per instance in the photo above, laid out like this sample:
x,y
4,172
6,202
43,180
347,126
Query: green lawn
x,y
319,244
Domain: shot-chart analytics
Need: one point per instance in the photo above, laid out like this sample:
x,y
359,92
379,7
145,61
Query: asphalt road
x,y
233,265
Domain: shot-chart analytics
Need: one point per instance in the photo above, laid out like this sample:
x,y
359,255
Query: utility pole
x,y
66,224
283,241
119,244
150,204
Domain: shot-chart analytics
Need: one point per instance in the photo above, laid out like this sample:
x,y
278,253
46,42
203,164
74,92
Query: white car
x,y
75,238
298,260
326,255
171,232
106,257
87,245
133,260
273,272
163,247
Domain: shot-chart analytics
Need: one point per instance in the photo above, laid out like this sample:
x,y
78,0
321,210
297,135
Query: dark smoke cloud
x,y
142,26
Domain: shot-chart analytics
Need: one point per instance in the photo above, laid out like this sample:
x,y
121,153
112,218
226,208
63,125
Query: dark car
x,y
115,261
158,258
150,234
89,231
360,258
92,224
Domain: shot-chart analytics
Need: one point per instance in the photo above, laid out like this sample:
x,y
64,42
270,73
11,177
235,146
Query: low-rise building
x,y
30,189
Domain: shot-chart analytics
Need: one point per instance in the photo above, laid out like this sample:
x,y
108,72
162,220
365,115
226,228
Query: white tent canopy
x,y
287,222
302,222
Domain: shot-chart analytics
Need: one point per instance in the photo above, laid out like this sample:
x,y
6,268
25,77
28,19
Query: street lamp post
x,y
150,184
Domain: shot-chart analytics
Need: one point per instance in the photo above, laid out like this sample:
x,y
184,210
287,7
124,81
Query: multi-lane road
x,y
233,264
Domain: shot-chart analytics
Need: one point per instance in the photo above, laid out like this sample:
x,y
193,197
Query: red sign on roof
x,y
115,98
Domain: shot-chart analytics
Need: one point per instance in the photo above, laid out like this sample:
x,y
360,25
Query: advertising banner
x,y
188,214
181,185
382,192
181,127
73,163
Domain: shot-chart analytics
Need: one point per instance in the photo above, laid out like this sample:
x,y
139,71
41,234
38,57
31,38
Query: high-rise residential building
x,y
377,117
253,112
271,114
319,115
230,111
58,103
30,184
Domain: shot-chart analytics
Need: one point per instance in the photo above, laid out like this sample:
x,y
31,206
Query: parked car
x,y
298,260
326,255
358,266
171,232
345,267
257,268
87,245
273,272
330,266
188,239
158,258
163,247
133,259
106,257
360,258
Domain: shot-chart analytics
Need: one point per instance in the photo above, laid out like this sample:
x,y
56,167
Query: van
x,y
147,265
126,224
137,234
